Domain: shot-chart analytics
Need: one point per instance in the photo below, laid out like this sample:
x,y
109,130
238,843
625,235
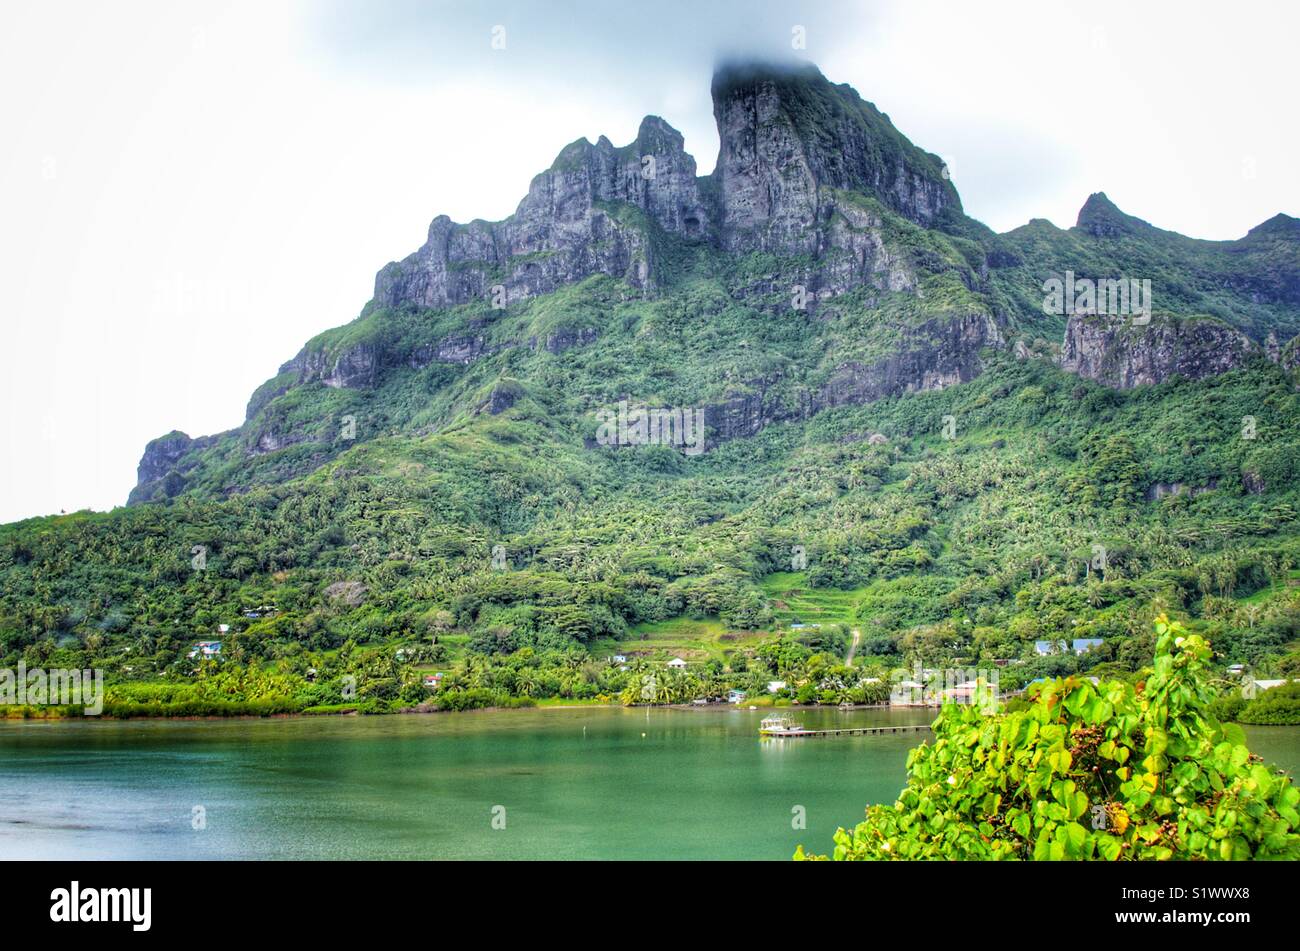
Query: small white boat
x,y
780,726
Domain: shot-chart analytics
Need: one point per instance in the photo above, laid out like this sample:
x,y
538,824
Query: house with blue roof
x,y
1043,648
1081,645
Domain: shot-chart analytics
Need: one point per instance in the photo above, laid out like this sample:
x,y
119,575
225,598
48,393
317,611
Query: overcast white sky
x,y
189,191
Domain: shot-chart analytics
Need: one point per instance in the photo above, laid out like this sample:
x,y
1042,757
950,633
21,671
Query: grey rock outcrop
x,y
456,348
1289,355
788,135
790,141
1160,490
360,366
349,594
852,250
355,367
566,338
585,215
164,465
938,354
1114,351
162,455
503,396
262,396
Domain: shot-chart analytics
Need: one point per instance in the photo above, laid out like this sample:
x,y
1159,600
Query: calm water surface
x,y
585,783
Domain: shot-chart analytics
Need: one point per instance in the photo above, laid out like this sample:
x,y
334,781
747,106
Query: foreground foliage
x,y
1112,771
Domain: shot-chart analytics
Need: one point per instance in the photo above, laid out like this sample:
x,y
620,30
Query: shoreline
x,y
55,717
416,711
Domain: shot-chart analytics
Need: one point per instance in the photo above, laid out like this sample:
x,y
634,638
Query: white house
x,y
774,685
207,649
677,663
908,693
963,692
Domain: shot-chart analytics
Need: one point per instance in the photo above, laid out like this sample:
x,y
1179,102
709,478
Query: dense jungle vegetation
x,y
379,567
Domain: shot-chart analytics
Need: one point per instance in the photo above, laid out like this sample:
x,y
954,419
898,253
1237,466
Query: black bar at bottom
x,y
324,900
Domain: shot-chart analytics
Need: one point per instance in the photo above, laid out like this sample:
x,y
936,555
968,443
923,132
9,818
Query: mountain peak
x,y
1279,226
786,134
730,73
656,135
1102,218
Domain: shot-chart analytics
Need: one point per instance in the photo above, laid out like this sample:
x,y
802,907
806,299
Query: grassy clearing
x,y
1273,591
793,601
689,638
544,702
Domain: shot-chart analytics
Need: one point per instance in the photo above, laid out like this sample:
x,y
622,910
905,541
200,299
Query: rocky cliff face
x,y
573,223
938,354
789,140
1289,356
162,455
356,367
360,366
166,460
1113,351
786,135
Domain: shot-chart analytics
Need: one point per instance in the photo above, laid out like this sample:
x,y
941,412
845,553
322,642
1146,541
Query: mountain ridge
x,y
816,189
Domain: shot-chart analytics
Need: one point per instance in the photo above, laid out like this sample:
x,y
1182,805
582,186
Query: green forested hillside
x,y
969,548
892,450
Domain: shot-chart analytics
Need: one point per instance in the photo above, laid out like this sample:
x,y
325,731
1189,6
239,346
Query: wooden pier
x,y
853,731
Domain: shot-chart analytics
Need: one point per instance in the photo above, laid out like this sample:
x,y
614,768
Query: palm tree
x,y
668,689
475,670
